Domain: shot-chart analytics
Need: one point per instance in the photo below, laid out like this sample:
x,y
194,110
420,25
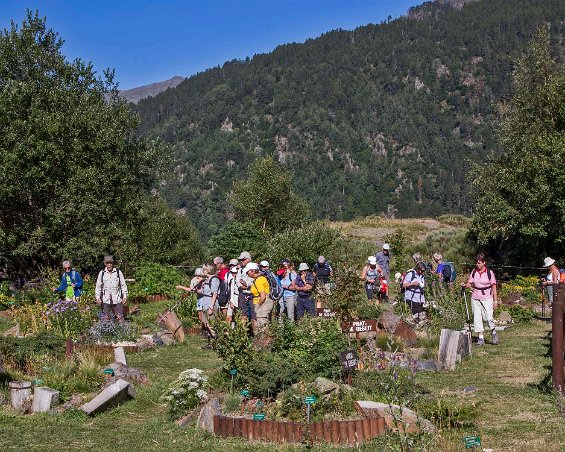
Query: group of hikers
x,y
260,293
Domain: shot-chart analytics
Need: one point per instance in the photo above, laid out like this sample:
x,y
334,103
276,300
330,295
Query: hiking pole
x,y
466,309
181,299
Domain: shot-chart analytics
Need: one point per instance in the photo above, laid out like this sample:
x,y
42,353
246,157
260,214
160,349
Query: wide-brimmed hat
x,y
250,266
548,262
108,259
303,266
264,264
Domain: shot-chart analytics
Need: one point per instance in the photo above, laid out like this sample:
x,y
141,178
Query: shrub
x,y
290,403
304,244
394,385
68,318
518,313
239,236
106,332
24,353
152,278
233,345
186,392
447,414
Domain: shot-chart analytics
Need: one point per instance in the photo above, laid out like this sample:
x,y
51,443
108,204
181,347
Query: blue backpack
x,y
448,272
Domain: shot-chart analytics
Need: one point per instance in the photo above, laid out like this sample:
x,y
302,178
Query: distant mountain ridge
x,y
134,95
381,119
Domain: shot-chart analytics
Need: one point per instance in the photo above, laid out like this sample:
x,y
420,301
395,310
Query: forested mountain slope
x,y
379,119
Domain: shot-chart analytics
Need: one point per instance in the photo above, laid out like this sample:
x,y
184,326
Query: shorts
x,y
202,304
246,306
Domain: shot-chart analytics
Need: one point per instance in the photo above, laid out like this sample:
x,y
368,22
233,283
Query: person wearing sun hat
x,y
371,274
552,277
304,284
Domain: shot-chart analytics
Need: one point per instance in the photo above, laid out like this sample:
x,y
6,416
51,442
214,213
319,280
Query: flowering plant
x,y
186,392
69,318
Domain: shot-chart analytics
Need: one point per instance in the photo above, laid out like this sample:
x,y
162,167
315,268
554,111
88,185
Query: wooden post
x,y
327,432
69,348
557,337
335,432
367,429
359,432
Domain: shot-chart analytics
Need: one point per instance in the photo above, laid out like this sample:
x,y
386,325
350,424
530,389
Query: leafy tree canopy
x,y
520,213
73,176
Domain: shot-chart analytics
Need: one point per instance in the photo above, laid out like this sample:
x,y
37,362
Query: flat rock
x,y
207,413
113,395
396,417
127,373
423,365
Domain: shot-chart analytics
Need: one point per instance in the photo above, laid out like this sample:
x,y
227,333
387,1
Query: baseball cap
x,y
264,264
108,259
244,255
234,262
386,246
372,260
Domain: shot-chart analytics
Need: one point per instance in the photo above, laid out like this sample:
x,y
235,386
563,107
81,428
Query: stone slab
x,y
113,395
396,417
207,413
44,399
120,355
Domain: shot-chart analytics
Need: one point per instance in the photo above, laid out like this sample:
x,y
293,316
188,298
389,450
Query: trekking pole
x,y
466,309
181,299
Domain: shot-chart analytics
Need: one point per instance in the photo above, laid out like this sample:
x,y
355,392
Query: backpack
x,y
403,277
561,275
223,294
448,272
118,271
489,275
275,287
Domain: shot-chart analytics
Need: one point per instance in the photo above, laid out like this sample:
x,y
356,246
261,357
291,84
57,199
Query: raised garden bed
x,y
351,432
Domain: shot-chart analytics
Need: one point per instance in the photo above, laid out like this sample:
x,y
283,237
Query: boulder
x,y
394,325
44,399
127,373
113,395
505,317
206,417
166,338
396,417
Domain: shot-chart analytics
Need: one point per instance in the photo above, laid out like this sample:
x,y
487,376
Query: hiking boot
x,y
494,339
481,342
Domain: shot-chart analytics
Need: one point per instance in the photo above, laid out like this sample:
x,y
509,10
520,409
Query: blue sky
x,y
149,41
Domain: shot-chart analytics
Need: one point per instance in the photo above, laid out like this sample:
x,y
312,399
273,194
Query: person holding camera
x,y
413,286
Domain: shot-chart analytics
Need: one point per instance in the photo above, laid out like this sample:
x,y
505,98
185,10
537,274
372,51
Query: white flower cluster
x,y
187,391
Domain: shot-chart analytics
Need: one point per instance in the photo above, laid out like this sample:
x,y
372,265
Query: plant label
x,y
360,326
349,359
325,313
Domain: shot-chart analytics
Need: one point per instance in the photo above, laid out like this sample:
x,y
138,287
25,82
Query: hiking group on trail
x,y
261,295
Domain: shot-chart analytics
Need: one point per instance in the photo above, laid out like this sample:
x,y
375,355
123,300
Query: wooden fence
x,y
351,432
557,350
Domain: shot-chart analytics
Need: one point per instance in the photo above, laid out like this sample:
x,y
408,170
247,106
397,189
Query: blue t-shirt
x,y
286,281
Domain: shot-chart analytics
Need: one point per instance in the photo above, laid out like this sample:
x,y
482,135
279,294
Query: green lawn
x,y
514,414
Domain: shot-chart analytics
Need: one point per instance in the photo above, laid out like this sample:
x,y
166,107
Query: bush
x,y
526,286
186,392
304,244
239,236
394,385
152,278
290,403
24,353
519,314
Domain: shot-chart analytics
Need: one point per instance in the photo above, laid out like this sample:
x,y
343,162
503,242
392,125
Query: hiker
x,y
413,285
260,290
287,302
483,298
233,293
551,278
444,270
111,290
304,284
194,287
383,260
209,301
244,282
71,282
323,271
371,274
222,268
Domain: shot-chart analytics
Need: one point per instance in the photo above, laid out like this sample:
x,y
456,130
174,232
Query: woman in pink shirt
x,y
483,299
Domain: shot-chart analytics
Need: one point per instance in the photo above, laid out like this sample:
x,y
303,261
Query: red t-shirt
x,y
223,272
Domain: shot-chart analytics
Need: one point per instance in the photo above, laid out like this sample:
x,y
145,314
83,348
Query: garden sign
x,y
360,326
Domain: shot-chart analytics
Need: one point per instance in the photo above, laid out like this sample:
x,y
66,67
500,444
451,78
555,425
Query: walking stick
x,y
467,309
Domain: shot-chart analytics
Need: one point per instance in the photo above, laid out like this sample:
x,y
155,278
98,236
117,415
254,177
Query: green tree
x,y
73,177
267,197
520,211
236,237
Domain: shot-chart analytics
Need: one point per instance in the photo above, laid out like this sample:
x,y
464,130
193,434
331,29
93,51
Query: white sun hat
x,y
548,262
303,266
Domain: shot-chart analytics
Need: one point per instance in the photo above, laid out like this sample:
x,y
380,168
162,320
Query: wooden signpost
x,y
325,313
349,361
360,326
